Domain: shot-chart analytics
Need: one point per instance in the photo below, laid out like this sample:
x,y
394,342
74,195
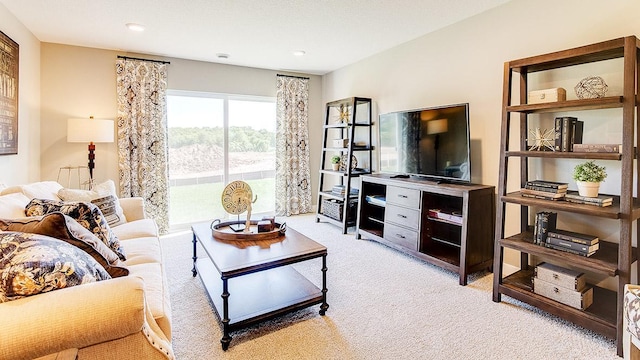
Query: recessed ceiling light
x,y
135,27
222,56
299,53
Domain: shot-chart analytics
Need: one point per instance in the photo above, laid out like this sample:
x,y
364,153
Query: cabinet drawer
x,y
402,216
401,236
402,196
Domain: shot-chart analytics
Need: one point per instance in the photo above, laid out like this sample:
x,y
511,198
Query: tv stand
x,y
450,225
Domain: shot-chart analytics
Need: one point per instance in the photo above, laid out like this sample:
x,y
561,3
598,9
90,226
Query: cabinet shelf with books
x,y
614,257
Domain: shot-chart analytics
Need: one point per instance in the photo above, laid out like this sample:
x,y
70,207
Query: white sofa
x,y
126,317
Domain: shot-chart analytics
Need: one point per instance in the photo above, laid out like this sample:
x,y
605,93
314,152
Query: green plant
x,y
589,171
335,159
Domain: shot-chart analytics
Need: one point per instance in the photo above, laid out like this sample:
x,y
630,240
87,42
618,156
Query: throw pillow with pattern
x,y
62,227
86,214
31,264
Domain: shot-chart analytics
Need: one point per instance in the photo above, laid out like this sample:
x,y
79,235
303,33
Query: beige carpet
x,y
383,305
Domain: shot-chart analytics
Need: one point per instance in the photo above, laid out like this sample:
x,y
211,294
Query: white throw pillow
x,y
12,206
104,196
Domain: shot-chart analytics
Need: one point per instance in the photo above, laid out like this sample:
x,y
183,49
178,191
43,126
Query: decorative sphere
x,y
591,87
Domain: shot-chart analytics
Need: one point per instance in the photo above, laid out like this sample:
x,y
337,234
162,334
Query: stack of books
x,y
572,242
600,200
339,190
568,132
446,215
542,189
543,223
378,200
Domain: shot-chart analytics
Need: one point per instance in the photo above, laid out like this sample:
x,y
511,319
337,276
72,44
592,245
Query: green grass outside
x,y
192,203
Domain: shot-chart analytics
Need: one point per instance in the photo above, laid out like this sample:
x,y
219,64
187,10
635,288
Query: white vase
x,y
335,167
588,188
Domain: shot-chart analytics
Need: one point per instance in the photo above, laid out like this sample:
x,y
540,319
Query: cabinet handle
x,y
402,216
400,236
403,196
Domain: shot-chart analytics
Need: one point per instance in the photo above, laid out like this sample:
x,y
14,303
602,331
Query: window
x,y
215,139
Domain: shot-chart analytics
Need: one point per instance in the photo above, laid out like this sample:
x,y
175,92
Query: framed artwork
x,y
9,60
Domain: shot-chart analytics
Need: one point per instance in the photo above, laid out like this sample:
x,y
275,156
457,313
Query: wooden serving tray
x,y
222,230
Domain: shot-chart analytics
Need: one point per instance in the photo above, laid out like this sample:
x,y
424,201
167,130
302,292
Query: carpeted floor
x,y
383,305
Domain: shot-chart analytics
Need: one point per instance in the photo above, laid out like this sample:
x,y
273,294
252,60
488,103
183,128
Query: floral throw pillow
x,y
62,227
86,214
32,264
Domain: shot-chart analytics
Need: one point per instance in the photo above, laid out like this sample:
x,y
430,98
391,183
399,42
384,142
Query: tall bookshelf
x,y
614,259
347,134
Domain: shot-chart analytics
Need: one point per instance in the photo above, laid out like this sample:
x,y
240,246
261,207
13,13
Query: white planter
x,y
336,167
588,189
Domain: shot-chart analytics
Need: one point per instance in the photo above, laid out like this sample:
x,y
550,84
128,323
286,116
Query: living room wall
x,y
25,166
464,63
80,82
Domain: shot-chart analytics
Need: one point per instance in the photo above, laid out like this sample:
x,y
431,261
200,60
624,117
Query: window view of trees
x,y
199,168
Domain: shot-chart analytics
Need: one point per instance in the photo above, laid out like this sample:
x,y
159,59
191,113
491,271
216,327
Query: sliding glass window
x,y
215,139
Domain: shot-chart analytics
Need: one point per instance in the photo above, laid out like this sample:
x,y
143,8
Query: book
x,y
601,200
451,216
568,131
544,194
558,134
579,238
598,148
542,197
574,245
548,184
544,188
581,202
379,200
575,252
545,221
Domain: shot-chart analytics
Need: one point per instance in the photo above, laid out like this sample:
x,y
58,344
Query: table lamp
x,y
90,131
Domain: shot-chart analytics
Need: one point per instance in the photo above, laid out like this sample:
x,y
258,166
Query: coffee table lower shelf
x,y
258,296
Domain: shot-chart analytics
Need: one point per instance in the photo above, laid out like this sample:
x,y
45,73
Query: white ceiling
x,y
255,33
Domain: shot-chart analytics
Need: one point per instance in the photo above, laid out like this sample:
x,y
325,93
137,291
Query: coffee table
x,y
250,281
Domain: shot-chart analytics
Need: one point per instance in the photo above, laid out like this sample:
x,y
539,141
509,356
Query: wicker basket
x,y
333,209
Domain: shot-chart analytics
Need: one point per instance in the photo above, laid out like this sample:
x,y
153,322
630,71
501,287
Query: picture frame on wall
x,y
9,61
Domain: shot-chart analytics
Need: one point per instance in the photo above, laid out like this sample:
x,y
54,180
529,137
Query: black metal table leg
x,y
324,306
226,338
194,271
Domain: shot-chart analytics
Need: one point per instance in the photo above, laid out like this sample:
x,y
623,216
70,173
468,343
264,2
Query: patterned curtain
x,y
293,177
142,135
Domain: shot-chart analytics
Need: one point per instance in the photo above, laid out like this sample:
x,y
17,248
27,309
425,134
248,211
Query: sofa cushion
x,y
12,205
31,264
136,229
62,227
37,190
87,214
103,195
142,250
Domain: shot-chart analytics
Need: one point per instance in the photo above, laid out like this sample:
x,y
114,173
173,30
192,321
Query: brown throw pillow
x,y
62,227
86,214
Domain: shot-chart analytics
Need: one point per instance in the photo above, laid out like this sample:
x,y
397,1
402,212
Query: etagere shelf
x,y
613,259
346,133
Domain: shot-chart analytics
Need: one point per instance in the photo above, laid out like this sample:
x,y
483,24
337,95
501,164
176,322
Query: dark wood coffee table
x,y
250,281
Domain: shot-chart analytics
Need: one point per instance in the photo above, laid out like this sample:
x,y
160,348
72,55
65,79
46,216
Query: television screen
x,y
430,142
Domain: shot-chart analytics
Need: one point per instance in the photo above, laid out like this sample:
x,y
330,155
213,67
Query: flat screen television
x,y
430,142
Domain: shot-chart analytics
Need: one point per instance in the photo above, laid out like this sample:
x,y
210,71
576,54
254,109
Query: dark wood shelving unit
x,y
346,119
605,315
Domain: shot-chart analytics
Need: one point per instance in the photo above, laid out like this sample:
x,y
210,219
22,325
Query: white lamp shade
x,y
90,130
437,126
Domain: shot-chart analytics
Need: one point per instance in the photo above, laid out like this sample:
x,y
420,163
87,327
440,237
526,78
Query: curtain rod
x,y
291,76
135,58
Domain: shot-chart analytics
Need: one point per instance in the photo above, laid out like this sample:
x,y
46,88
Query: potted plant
x,y
588,177
335,161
